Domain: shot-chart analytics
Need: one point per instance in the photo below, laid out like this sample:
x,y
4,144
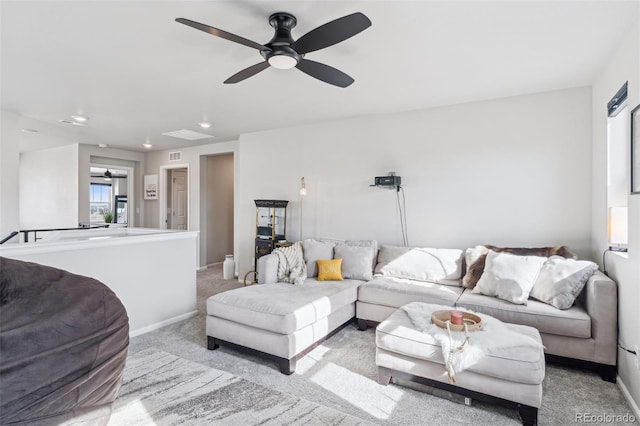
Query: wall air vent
x,y
175,156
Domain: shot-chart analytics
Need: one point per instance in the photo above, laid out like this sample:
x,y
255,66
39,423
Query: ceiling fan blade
x,y
332,33
223,34
247,72
324,73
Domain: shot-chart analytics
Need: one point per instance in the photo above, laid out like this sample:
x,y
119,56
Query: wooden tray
x,y
473,322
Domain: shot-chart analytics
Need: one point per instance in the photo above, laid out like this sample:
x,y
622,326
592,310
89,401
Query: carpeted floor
x,y
163,389
341,375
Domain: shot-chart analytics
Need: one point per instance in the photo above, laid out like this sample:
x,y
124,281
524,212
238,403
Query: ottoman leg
x,y
211,343
384,376
362,324
528,415
287,366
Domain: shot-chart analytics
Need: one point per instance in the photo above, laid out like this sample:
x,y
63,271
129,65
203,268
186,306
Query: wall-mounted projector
x,y
391,181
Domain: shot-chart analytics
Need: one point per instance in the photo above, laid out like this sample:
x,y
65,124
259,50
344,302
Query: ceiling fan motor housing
x,y
281,42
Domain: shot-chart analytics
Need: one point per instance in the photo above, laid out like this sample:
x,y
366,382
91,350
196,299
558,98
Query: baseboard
x,y
627,395
205,267
152,327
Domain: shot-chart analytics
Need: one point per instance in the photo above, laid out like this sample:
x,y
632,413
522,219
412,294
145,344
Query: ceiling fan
x,y
108,176
283,52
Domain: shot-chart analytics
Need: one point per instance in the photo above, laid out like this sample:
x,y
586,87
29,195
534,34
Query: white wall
x,y
191,157
9,172
48,183
624,65
512,171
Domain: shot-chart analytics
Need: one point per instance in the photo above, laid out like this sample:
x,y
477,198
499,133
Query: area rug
x,y
163,389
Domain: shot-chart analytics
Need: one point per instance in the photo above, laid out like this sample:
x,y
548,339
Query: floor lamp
x,y
303,192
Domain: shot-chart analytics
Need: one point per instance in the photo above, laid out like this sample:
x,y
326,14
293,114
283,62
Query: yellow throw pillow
x,y
329,270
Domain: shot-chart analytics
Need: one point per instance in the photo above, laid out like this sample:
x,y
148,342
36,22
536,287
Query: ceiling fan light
x,y
282,62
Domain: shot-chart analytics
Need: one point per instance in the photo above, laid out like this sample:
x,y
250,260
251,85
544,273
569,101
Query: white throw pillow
x,y
509,277
561,280
315,250
356,261
442,266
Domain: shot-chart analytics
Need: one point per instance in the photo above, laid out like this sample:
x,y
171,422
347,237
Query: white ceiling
x,y
137,74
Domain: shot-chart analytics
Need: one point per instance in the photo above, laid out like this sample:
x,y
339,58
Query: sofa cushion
x,y
356,261
443,266
561,280
283,308
398,334
314,250
475,258
509,277
329,270
357,243
573,322
396,292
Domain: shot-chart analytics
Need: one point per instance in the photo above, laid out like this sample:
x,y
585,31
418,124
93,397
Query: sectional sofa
x,y
284,321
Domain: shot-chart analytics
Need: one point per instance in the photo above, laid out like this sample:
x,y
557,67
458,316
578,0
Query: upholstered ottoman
x,y
510,376
279,320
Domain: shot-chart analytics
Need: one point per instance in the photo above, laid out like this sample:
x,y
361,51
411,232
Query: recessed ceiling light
x,y
204,124
102,145
147,145
29,131
79,118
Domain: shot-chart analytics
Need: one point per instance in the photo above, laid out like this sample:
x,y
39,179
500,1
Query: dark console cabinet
x,y
271,225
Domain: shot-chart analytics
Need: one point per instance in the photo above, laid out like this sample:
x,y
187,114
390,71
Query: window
x,y
618,167
99,201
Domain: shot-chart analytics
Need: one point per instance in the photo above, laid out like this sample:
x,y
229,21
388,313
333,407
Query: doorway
x,y
111,189
217,207
177,199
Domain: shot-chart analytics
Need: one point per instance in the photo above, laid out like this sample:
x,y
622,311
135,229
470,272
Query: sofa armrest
x,y
600,298
268,269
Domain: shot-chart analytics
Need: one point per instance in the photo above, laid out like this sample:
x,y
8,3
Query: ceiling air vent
x,y
175,156
189,135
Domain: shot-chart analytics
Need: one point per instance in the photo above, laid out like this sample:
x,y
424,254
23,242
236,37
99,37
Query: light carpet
x,y
163,389
341,375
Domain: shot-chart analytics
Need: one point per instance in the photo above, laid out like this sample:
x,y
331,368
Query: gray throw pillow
x,y
356,261
315,250
561,280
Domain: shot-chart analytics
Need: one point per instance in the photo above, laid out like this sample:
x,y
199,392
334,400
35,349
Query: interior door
x,y
179,208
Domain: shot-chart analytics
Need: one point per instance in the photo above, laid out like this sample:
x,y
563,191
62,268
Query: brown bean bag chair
x,y
63,345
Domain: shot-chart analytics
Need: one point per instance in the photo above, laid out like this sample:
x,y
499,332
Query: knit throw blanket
x,y
460,353
291,265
